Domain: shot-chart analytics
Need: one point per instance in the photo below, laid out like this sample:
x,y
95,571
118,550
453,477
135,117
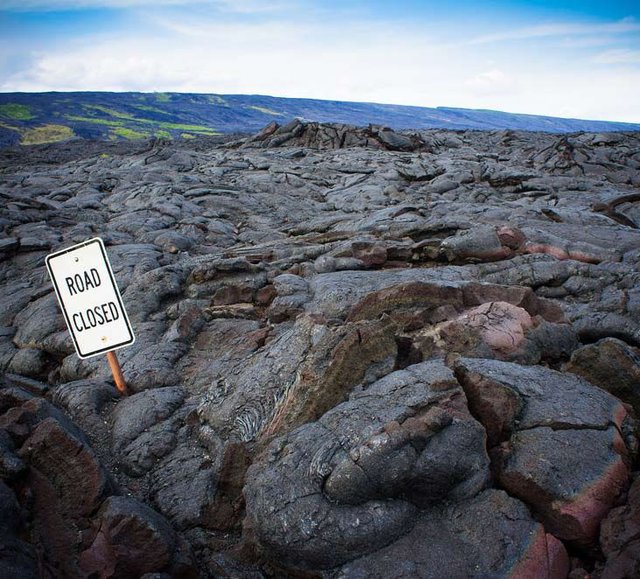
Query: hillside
x,y
34,118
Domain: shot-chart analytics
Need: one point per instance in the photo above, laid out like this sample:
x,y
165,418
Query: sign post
x,y
121,385
91,303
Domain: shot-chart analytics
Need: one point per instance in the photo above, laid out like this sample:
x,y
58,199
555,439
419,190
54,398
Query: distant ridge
x,y
32,118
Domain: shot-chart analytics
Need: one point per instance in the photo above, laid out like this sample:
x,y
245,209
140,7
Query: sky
x,y
566,58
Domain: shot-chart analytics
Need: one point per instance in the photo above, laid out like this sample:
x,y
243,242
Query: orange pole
x,y
121,385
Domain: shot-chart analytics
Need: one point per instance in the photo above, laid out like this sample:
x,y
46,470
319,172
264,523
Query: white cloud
x,y
235,6
585,94
48,5
253,6
587,41
122,68
491,82
561,29
275,57
618,56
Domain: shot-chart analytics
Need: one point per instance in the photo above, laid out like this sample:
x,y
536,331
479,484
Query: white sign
x,y
89,298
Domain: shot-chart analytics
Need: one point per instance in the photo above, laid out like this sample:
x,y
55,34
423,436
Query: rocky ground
x,y
359,353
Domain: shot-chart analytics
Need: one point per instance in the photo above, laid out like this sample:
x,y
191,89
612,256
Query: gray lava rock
x,y
11,465
28,362
17,558
491,535
611,364
37,321
84,401
183,486
154,366
355,480
144,427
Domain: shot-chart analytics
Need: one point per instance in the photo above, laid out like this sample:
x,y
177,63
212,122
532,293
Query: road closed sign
x,y
89,298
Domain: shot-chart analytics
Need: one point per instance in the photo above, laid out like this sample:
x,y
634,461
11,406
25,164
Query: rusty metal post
x,y
121,385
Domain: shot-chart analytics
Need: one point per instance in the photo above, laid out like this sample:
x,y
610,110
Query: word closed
x,y
89,298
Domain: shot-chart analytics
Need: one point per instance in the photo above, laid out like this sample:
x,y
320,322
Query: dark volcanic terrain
x,y
360,353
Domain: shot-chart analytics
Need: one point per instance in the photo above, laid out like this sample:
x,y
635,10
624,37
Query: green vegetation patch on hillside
x,y
110,112
149,109
46,134
200,129
9,127
217,100
94,120
16,112
129,134
126,116
265,110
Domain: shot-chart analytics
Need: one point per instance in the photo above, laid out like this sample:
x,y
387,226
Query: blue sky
x,y
567,58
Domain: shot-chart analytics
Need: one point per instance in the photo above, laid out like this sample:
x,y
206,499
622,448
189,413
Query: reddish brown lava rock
x,y
371,254
560,253
511,237
67,483
620,538
543,546
80,480
539,422
132,540
499,325
571,492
